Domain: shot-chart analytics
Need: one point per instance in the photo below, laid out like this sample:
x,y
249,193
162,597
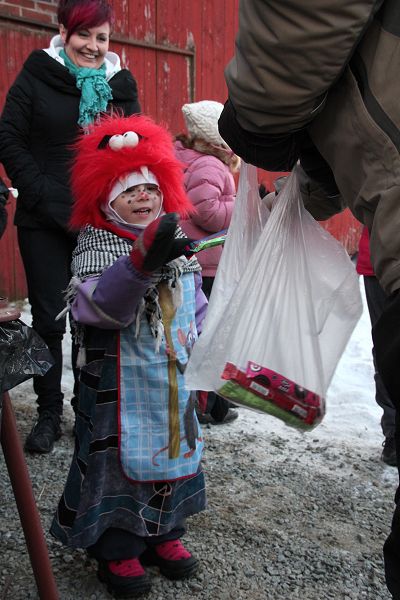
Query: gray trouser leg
x,y
375,300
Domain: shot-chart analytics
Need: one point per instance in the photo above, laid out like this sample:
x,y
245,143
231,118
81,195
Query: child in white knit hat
x,y
209,183
201,119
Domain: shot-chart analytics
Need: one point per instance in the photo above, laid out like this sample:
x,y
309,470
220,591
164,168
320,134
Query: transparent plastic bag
x,y
287,306
249,217
23,354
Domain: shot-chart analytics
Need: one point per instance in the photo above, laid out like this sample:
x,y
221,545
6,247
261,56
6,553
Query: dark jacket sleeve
x,y
287,57
133,105
272,152
110,300
3,212
15,129
125,93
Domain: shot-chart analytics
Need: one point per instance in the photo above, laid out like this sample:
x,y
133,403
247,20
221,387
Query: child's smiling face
x,y
139,204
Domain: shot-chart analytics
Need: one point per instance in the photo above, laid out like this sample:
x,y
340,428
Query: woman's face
x,y
87,47
139,205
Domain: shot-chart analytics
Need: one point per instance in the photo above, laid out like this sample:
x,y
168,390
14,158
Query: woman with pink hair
x,y
59,91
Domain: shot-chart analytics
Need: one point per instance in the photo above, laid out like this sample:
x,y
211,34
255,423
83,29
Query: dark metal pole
x,y
25,500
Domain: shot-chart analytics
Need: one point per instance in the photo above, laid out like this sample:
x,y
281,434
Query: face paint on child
x,y
139,204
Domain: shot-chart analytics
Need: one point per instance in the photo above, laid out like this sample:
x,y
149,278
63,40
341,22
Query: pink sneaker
x,y
172,558
130,567
124,578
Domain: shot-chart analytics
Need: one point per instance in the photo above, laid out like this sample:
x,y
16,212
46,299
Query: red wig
x,y
83,14
97,167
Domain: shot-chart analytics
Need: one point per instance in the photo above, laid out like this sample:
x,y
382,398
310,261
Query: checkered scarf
x,y
98,249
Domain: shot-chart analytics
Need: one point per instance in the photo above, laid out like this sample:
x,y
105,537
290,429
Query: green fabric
x,y
207,243
95,91
242,397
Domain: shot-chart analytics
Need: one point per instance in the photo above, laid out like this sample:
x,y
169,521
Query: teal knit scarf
x,y
95,91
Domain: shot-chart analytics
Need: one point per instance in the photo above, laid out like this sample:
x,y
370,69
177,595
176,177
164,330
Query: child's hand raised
x,y
157,245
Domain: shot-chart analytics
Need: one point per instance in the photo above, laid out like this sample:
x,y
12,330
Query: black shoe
x,y
204,418
178,568
389,451
44,433
208,419
124,586
230,416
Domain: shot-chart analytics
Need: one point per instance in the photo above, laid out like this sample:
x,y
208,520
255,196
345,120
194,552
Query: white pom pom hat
x,y
201,119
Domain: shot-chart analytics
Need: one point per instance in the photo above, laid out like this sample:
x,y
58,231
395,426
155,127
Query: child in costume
x,y
137,300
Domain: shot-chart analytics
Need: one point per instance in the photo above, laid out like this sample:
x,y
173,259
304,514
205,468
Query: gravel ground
x,y
290,516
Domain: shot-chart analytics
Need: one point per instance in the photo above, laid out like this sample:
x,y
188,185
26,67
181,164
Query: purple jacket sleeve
x,y
201,303
110,300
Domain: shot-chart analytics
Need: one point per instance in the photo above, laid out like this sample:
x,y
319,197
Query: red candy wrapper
x,y
282,397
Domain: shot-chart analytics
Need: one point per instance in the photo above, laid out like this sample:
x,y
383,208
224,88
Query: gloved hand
x,y
268,200
157,245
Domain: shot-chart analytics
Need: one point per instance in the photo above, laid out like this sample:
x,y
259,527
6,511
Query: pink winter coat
x,y
210,186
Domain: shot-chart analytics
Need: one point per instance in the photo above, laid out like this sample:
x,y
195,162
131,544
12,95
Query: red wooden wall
x,y
176,49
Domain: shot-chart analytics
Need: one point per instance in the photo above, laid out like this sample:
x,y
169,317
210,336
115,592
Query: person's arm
x,y
205,188
15,130
110,300
288,55
125,93
133,106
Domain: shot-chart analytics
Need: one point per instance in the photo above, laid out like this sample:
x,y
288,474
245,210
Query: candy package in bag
x,y
286,298
264,390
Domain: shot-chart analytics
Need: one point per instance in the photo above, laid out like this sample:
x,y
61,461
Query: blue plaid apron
x,y
160,438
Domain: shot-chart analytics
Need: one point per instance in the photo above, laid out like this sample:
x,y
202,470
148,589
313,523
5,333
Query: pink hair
x,y
83,14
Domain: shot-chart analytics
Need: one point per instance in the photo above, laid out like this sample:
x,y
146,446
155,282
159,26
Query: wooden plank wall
x,y
176,49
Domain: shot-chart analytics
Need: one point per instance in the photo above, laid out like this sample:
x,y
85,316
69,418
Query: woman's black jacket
x,y
38,126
